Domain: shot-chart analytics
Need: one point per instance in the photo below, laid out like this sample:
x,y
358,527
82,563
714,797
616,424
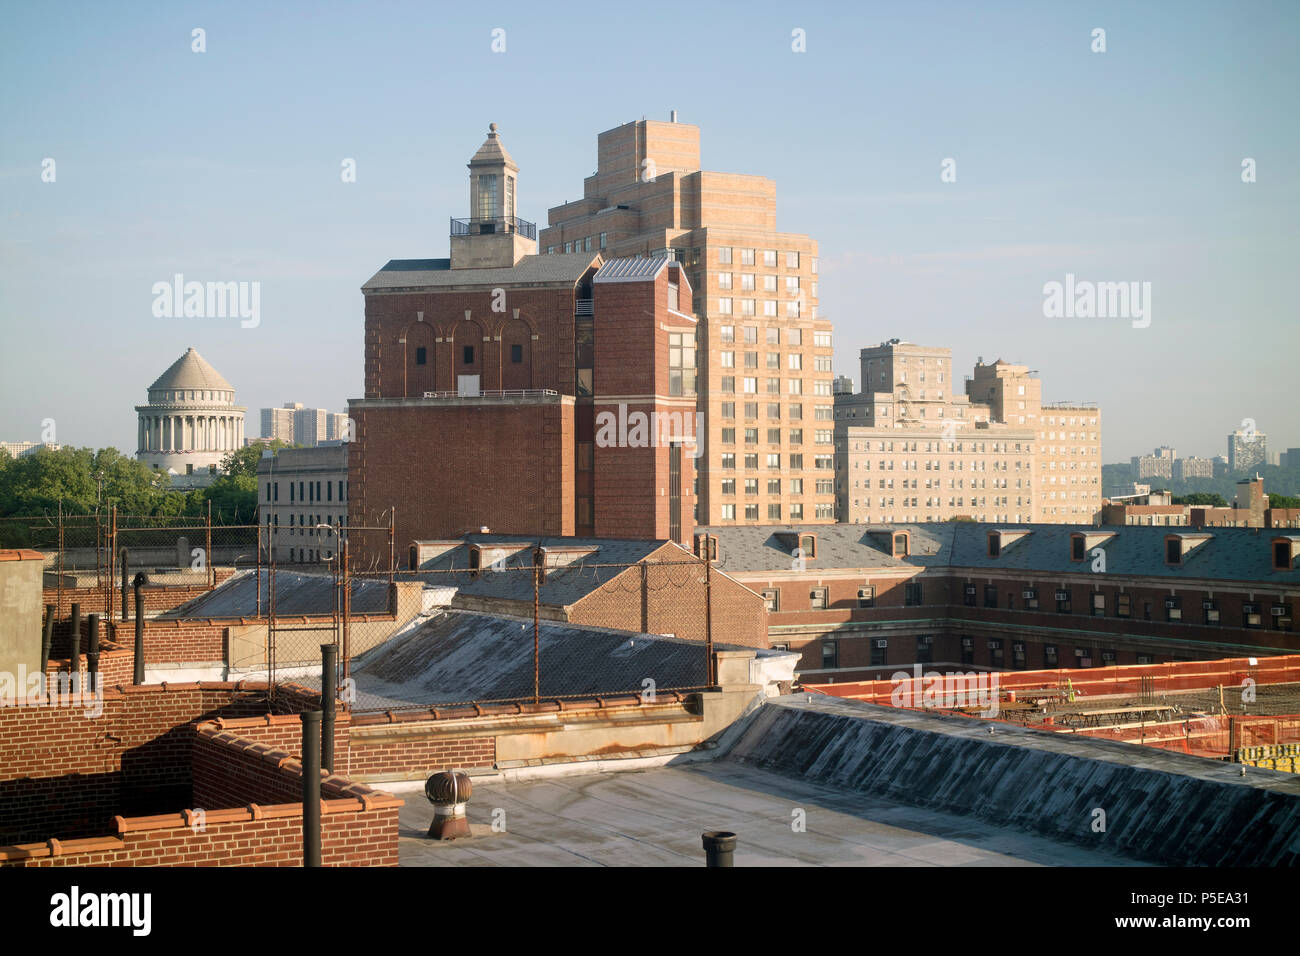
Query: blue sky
x,y
224,165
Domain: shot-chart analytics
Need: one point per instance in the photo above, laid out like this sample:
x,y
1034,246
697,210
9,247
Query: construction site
x,y
1243,710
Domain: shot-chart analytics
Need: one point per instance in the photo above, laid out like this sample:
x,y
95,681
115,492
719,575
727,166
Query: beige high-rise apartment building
x,y
764,379
911,448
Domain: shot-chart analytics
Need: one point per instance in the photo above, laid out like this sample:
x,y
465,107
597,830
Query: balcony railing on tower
x,y
488,227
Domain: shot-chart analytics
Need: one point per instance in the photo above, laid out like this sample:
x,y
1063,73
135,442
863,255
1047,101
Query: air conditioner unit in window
x,y
1170,603
1029,594
1207,606
881,642
1278,611
1079,652
995,645
1063,595
967,642
1250,609
1018,646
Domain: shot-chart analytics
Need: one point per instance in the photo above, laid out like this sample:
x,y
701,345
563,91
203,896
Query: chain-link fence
x,y
482,622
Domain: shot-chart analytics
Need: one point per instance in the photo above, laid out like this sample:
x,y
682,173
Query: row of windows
x,y
1121,606
579,245
772,386
771,283
727,256
728,512
772,335
821,462
728,486
467,355
793,308
820,412
308,491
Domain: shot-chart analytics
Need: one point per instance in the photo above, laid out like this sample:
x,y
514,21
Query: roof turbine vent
x,y
449,791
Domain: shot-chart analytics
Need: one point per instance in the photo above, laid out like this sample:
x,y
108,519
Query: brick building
x,y
764,354
489,374
861,601
909,447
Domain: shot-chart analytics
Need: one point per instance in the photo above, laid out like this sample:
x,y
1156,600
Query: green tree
x,y
1199,498
1283,501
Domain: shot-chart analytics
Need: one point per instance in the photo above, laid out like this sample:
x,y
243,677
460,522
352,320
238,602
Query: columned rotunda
x,y
191,421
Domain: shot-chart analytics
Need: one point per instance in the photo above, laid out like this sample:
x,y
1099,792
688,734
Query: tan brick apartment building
x,y
764,354
861,602
487,375
910,448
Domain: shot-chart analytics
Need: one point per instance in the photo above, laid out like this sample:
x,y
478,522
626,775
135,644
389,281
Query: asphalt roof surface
x,y
433,273
295,594
462,656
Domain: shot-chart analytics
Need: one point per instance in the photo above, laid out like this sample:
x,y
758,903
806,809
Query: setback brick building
x,y
764,353
488,374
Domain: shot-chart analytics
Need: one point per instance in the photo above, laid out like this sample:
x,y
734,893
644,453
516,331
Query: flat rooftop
x,y
655,818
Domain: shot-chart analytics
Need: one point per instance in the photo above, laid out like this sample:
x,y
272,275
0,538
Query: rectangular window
x,y
769,258
792,260
727,333
1050,656
516,354
924,648
818,599
421,355
1123,605
1063,602
772,599
1098,604
990,595
879,648
724,255
968,595
830,655
728,512
1211,609
746,257
867,596
912,594
469,355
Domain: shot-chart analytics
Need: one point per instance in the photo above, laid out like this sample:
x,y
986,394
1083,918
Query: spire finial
x,y
492,129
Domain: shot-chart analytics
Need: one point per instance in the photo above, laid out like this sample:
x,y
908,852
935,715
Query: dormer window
x,y
1078,547
995,544
1284,552
1174,552
901,549
808,545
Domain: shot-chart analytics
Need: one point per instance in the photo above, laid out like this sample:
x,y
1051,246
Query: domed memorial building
x,y
190,423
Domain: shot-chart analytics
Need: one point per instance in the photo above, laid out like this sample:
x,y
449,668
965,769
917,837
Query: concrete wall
x,y
20,611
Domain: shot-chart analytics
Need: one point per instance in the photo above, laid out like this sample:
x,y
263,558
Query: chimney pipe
x,y
47,636
329,655
673,116
74,655
719,848
311,788
139,582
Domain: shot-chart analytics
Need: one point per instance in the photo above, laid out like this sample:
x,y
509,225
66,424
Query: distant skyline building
x,y
20,449
909,448
1246,450
299,489
299,425
1159,464
1185,468
190,422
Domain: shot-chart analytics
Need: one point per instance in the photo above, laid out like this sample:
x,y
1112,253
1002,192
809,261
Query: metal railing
x,y
497,395
494,226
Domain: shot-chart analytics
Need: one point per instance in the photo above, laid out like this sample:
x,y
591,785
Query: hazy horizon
x,y
1122,166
